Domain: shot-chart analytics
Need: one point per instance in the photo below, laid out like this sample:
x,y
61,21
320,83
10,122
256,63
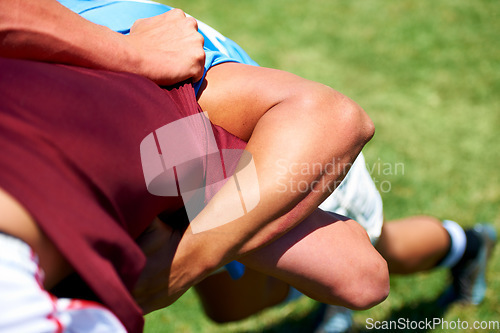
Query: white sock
x,y
458,244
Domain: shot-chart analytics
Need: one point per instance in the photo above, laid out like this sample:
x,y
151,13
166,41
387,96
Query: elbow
x,y
356,125
337,117
367,127
360,281
363,285
370,288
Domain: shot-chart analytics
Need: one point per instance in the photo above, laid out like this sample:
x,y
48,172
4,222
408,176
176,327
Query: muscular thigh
x,y
236,95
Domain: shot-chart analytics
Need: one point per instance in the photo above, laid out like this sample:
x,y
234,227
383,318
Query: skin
x,y
17,222
409,245
287,124
291,113
326,240
166,49
47,31
413,244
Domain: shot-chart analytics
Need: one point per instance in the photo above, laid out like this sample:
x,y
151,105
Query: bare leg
x,y
413,244
225,299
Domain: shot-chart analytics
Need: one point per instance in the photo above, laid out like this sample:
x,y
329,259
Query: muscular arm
x,y
328,257
292,122
302,135
298,132
167,48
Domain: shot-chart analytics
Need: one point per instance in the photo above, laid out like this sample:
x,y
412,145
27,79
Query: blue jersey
x,y
121,15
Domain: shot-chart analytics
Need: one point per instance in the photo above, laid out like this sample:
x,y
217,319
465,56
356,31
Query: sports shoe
x,y
469,281
337,319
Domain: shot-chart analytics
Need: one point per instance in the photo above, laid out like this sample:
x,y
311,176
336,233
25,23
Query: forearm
x,y
45,30
166,48
207,244
311,126
302,135
218,234
301,149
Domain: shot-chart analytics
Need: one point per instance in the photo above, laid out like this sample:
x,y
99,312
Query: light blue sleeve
x,y
121,15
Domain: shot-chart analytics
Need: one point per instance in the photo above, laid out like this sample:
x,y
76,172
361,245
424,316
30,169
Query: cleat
x,y
469,279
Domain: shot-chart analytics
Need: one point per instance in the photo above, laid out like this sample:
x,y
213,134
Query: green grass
x,y
428,73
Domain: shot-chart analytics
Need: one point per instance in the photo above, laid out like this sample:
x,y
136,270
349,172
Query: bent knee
x,y
370,288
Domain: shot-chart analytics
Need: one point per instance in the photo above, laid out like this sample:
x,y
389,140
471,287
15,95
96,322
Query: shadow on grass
x,y
298,323
420,317
424,312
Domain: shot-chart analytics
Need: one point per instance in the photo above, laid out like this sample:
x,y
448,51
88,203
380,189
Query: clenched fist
x,y
169,47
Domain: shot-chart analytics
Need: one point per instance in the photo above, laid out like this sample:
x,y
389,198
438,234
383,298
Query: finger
x,y
199,65
192,22
176,12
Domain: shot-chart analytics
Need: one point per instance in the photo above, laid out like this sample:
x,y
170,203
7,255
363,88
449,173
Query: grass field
x,y
428,73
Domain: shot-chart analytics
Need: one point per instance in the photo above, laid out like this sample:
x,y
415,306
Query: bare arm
x,y
302,136
328,257
167,48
